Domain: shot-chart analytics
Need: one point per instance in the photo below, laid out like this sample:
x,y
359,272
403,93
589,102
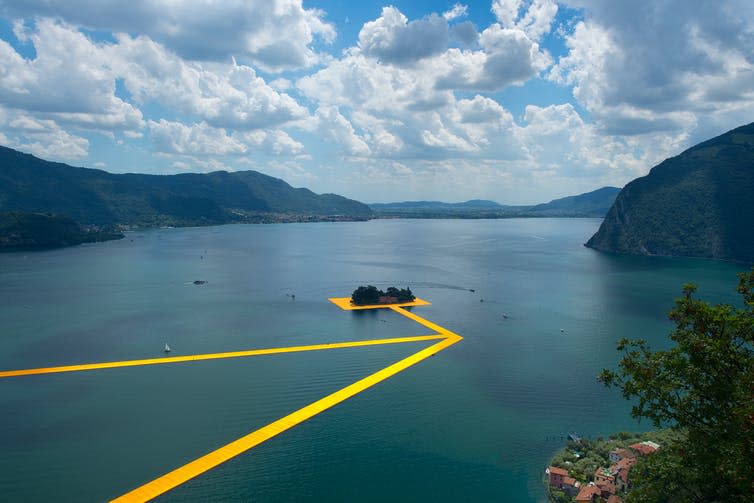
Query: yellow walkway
x,y
345,304
187,472
211,356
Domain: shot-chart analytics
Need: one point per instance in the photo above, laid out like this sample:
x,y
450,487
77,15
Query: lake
x,y
477,422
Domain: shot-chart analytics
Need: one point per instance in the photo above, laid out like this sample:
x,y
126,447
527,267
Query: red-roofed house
x,y
607,489
645,448
621,453
588,493
614,499
624,464
604,476
570,486
556,475
621,469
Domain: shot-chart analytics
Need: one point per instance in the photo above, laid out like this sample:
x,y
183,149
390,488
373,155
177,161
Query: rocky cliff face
x,y
697,204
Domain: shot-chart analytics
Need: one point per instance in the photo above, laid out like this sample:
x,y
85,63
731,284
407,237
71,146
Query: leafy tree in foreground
x,y
703,388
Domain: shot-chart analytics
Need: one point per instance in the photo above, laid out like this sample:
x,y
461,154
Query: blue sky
x,y
517,101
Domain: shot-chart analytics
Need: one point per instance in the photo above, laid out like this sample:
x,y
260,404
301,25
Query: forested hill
x,y
34,231
590,204
697,204
95,197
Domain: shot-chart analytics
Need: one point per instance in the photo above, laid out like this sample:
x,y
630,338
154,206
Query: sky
x,y
517,101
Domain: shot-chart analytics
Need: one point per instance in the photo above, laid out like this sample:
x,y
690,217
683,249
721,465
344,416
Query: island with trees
x,y
371,295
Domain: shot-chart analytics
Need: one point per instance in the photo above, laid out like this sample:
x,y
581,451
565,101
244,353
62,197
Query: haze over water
x,y
477,422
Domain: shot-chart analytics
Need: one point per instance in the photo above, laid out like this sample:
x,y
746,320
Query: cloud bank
x,y
538,99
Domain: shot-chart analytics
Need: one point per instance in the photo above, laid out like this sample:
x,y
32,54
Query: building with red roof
x,y
645,448
620,454
589,493
556,475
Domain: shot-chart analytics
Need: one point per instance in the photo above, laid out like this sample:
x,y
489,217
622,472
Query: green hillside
x,y
30,231
590,204
95,197
697,204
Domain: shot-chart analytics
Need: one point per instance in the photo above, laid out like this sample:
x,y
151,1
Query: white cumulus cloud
x,y
393,39
222,94
70,81
201,29
665,66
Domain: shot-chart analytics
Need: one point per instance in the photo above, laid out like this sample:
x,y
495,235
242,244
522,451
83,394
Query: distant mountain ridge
x,y
697,204
96,197
471,204
590,204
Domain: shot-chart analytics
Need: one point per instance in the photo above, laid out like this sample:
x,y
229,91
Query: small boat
x,y
167,348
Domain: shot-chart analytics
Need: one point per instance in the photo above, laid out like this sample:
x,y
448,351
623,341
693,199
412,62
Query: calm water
x,y
476,423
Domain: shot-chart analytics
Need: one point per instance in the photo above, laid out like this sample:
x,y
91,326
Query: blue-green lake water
x,y
478,422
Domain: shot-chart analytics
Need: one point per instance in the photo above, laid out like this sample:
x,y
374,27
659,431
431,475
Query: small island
x,y
370,295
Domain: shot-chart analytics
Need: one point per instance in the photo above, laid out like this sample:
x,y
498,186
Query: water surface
x,y
478,422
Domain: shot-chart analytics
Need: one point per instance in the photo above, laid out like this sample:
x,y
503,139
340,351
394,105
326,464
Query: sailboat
x,y
167,348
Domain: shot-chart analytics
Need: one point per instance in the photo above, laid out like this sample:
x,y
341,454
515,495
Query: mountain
x,y
697,204
436,205
590,204
95,197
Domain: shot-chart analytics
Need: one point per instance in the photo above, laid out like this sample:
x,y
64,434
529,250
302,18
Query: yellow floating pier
x,y
345,304
212,356
200,465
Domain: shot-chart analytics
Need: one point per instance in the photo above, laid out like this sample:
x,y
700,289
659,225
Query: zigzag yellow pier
x,y
212,356
195,468
243,444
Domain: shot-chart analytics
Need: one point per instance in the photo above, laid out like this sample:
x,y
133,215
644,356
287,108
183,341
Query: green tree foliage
x,y
368,295
403,295
703,388
95,197
30,231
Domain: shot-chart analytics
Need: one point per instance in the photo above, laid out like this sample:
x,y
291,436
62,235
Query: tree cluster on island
x,y
370,295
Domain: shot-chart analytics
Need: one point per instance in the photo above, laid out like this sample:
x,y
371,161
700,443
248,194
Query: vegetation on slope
x,y
30,231
698,204
95,197
590,204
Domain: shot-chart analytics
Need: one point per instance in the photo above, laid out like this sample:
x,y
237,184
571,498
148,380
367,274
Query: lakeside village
x,y
599,471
